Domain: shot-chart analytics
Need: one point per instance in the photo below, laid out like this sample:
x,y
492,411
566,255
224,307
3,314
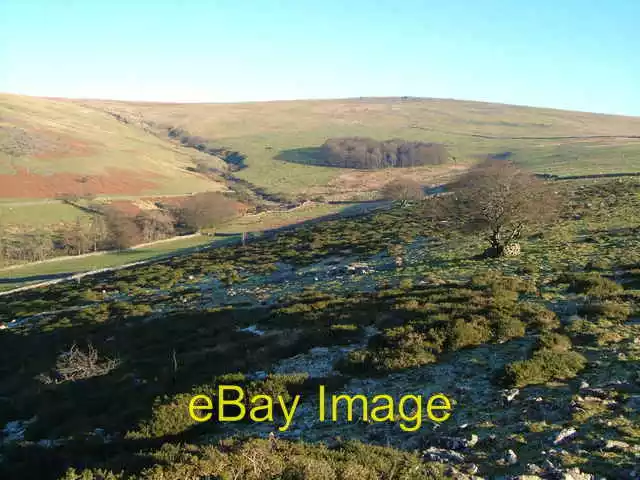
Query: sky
x,y
570,54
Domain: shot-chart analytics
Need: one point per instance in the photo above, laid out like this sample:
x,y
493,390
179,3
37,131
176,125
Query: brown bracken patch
x,y
113,181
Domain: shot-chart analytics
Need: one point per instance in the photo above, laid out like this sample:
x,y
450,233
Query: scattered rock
x,y
458,443
565,434
574,474
443,455
14,430
511,458
509,395
253,329
616,445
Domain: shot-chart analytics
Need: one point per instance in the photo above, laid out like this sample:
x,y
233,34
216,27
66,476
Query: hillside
x,y
123,149
50,147
538,354
277,137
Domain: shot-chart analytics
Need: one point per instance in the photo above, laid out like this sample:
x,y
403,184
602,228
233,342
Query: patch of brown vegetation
x,y
127,207
113,181
178,201
354,182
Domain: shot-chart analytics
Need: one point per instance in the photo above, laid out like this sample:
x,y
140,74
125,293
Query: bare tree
x,y
403,190
75,239
499,200
205,210
77,364
98,231
362,152
155,225
123,231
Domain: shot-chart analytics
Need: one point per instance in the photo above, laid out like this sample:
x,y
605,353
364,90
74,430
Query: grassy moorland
x,y
276,136
50,147
539,353
120,151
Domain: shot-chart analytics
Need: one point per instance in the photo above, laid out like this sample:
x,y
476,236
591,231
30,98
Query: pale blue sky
x,y
575,54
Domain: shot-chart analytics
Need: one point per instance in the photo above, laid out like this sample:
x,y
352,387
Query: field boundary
x,y
63,258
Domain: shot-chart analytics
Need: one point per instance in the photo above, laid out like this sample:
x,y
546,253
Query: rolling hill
x,y
275,135
123,150
49,147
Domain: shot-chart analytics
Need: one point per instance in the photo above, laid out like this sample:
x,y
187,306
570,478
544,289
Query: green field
x,y
33,273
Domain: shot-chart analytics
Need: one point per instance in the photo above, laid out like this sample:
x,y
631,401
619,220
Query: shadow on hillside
x,y
203,344
354,209
35,278
303,156
550,176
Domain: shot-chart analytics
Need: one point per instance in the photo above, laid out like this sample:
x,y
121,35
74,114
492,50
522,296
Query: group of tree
x,y
367,153
109,228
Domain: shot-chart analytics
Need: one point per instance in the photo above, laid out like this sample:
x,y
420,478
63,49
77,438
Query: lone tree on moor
x,y
499,200
403,190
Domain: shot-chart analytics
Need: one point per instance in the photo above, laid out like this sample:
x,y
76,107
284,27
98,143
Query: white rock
x,y
564,435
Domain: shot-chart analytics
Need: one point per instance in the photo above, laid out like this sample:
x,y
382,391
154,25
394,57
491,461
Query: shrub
x,y
98,474
506,328
593,285
406,284
467,333
397,348
544,366
554,341
125,309
538,316
403,190
495,281
609,310
167,418
258,459
77,364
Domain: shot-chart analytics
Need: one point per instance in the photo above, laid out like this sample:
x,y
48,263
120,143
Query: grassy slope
x,y
314,306
251,127
49,137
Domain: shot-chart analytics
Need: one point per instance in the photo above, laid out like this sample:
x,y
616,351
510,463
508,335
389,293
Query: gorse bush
x,y
545,365
276,460
170,414
465,333
593,285
610,310
506,328
554,341
538,317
